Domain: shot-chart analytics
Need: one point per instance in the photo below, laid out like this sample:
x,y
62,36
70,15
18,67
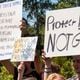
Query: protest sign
x,y
62,32
24,49
10,16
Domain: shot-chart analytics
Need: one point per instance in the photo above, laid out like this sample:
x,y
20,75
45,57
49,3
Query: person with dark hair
x,y
27,69
25,21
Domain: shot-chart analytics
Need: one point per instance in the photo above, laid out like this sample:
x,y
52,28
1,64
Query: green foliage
x,y
62,5
65,4
4,75
66,67
67,70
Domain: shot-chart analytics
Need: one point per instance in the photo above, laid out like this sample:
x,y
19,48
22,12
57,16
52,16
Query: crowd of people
x,y
35,70
45,70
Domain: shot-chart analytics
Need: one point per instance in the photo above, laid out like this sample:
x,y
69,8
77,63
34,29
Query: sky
x,y
54,1
32,21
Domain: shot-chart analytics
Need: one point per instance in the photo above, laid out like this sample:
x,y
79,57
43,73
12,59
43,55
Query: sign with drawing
x,y
62,32
24,49
10,16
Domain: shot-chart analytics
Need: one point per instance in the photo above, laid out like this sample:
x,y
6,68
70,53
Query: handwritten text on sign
x,y
24,49
10,16
62,32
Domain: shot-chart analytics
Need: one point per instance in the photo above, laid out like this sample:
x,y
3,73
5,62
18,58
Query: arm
x,y
20,70
47,68
37,64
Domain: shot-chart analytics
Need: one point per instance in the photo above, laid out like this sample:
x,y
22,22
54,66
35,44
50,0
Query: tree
x,y
66,67
36,10
65,4
68,3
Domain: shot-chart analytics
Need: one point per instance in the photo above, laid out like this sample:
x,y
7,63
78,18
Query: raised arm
x,y
47,66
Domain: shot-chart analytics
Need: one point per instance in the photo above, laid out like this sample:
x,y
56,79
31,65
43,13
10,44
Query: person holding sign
x,y
76,64
49,68
28,69
10,14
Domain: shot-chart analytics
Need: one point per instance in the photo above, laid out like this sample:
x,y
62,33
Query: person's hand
x,y
45,60
20,71
22,25
21,67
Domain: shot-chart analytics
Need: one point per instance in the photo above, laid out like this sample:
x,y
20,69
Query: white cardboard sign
x,y
10,16
24,49
62,32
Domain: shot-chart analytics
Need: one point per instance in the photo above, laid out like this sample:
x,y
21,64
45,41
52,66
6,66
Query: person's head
x,y
76,63
55,76
24,20
55,68
23,24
